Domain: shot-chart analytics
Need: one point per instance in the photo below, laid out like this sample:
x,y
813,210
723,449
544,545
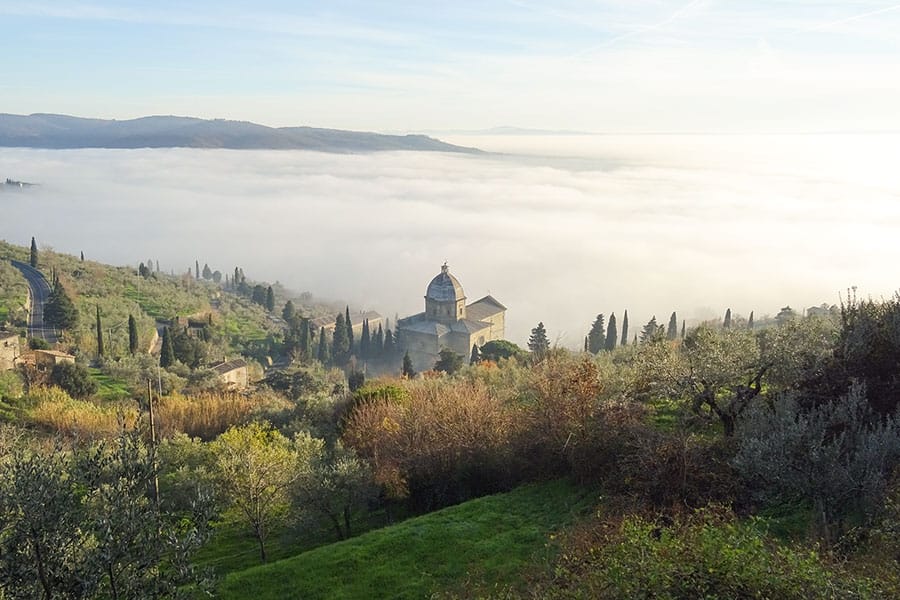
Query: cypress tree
x,y
750,321
82,256
625,329
612,335
538,342
597,335
207,272
651,331
683,329
288,312
99,334
167,354
349,325
365,340
378,348
340,348
132,335
407,370
585,343
196,269
60,311
475,357
33,259
270,299
259,295
672,330
388,342
727,323
322,354
236,279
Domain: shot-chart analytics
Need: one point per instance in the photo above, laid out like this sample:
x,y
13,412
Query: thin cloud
x,y
857,17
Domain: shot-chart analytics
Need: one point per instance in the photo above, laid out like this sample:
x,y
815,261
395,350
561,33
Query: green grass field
x,y
109,388
479,544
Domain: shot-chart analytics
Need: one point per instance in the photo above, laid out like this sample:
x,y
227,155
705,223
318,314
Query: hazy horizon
x,y
559,228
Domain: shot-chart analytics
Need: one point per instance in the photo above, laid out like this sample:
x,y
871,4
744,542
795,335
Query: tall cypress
x,y
33,260
365,340
349,325
750,321
727,322
322,354
407,370
99,334
683,328
167,354
340,348
388,349
270,299
612,335
196,269
672,329
597,335
378,346
132,335
475,357
625,329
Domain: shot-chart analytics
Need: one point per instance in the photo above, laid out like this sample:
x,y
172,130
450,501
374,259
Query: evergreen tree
x,y
538,342
340,345
475,357
388,342
349,325
259,295
33,260
378,344
625,329
448,362
217,276
597,335
132,335
207,272
270,299
407,369
167,354
305,337
750,321
196,269
365,340
322,354
60,311
727,323
288,312
82,256
683,328
672,330
585,343
651,331
612,335
99,334
236,279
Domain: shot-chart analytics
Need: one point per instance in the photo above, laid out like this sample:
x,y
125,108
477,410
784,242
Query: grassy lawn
x,y
487,542
109,388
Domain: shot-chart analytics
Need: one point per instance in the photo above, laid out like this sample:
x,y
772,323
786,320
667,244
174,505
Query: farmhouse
x,y
233,373
448,322
9,350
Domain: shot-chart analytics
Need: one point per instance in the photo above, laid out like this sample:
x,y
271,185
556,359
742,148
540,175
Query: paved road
x,y
40,293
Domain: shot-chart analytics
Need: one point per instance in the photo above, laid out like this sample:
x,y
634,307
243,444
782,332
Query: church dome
x,y
445,287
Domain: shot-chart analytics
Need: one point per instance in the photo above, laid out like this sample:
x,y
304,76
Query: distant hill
x,y
61,131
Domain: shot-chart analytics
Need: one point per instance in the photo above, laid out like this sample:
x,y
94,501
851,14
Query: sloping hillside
x,y
481,543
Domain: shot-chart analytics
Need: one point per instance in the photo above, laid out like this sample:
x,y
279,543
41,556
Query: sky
x,y
603,66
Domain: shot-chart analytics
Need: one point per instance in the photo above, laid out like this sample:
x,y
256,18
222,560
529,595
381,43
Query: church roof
x,y
445,287
469,326
484,308
426,326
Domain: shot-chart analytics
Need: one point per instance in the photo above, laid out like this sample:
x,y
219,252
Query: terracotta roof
x,y
228,366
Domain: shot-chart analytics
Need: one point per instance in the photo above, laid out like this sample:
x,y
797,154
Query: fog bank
x,y
559,229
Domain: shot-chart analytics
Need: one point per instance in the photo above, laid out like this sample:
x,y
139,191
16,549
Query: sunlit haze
x,y
565,228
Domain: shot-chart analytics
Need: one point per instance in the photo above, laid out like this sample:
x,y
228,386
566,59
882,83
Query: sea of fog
x,y
558,228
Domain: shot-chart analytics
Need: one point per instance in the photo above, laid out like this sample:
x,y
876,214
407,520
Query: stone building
x,y
47,359
232,373
448,322
9,350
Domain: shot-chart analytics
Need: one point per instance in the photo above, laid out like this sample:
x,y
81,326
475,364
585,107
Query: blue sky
x,y
604,65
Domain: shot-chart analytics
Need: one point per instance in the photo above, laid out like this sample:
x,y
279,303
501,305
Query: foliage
x,y
496,350
837,456
59,310
448,361
74,378
597,335
82,526
538,343
256,466
708,554
407,369
612,334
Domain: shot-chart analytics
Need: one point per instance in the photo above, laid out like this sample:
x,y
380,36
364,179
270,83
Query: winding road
x,y
37,299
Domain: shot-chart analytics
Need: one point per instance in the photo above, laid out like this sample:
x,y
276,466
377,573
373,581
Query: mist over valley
x,y
558,228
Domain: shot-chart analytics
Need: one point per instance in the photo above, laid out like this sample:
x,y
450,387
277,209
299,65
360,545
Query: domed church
x,y
449,323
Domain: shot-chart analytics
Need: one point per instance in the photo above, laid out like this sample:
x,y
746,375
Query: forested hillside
x,y
735,458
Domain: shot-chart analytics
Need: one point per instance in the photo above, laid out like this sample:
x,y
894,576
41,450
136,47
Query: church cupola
x,y
445,300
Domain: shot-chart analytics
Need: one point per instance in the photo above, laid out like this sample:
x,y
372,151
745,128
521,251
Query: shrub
x,y
708,554
74,379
